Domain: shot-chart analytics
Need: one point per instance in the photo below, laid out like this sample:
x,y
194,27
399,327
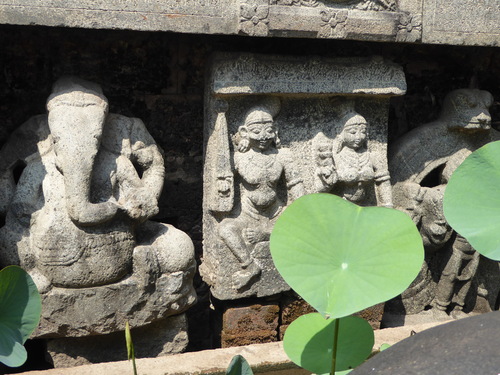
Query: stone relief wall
x,y
454,279
278,128
165,90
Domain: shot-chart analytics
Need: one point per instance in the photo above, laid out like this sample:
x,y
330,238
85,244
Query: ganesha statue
x,y
79,187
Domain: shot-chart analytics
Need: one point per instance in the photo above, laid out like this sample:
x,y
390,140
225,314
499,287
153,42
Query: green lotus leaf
x,y
472,200
20,308
239,366
12,351
308,343
342,258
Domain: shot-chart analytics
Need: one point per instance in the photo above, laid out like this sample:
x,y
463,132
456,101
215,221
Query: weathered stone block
x,y
203,16
469,22
168,336
373,315
291,309
250,325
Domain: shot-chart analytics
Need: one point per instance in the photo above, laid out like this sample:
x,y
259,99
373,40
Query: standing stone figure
x,y
261,165
81,186
347,168
426,157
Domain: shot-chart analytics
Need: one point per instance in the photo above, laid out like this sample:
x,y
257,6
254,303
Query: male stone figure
x,y
81,186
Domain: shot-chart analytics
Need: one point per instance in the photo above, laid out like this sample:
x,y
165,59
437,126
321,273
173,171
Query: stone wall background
x,y
159,77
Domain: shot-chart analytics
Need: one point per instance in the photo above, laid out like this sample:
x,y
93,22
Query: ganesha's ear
x,y
487,99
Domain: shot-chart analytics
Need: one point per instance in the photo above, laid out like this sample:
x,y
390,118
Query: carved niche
x,y
454,279
79,186
269,120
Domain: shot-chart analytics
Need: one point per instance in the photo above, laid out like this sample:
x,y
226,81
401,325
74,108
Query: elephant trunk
x,y
77,182
77,112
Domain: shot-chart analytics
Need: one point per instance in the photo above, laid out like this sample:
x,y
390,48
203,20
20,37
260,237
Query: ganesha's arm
x,y
147,156
294,182
28,196
21,146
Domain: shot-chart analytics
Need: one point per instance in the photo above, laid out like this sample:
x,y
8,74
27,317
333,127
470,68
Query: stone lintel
x,y
185,16
347,23
258,74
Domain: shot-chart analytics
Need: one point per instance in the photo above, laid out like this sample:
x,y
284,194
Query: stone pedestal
x,y
168,336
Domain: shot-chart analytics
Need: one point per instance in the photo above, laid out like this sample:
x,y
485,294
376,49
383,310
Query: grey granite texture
x,y
467,346
467,22
79,186
166,336
185,16
362,19
454,279
276,128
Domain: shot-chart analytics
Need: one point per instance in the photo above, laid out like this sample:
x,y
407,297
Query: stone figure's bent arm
x,y
383,188
148,157
294,182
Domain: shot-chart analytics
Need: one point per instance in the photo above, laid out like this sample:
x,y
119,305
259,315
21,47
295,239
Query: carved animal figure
x,y
426,158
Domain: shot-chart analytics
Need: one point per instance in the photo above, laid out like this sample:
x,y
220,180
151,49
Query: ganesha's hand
x,y
140,204
254,236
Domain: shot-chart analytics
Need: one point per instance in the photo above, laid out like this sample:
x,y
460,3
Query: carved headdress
x,y
264,112
348,117
76,92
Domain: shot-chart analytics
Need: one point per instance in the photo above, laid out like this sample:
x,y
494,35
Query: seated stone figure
x,y
79,186
261,165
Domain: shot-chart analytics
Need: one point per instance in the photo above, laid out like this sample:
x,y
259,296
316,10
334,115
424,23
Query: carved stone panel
x,y
277,128
470,22
454,279
363,19
380,20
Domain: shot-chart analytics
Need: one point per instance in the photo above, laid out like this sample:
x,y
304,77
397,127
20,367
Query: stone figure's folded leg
x,y
231,232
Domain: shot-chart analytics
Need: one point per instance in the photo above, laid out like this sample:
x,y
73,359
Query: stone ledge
x,y
267,359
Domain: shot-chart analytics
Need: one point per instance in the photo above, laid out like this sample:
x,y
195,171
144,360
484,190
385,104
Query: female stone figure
x,y
261,165
347,168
